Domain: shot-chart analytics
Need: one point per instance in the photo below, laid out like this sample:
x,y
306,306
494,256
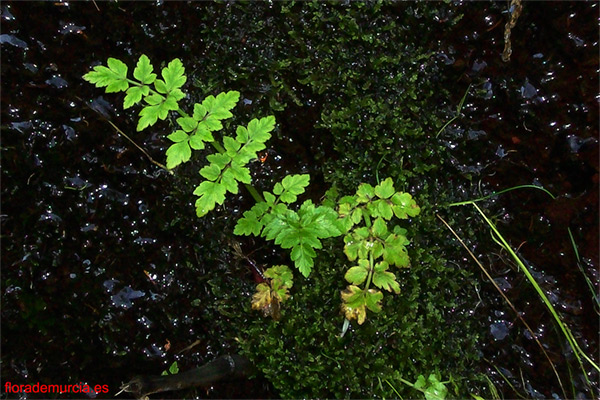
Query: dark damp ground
x,y
101,251
534,120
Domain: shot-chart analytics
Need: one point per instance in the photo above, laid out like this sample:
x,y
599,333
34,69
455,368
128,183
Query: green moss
x,y
375,86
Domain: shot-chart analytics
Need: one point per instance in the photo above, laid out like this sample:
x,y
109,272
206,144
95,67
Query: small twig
x,y
140,149
515,11
191,346
152,160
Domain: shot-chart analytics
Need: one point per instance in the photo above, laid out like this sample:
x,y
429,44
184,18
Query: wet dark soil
x,y
103,258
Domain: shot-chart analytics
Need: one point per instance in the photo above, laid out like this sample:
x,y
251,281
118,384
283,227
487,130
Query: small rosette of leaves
x,y
269,295
379,201
301,231
225,170
161,99
370,243
197,129
432,387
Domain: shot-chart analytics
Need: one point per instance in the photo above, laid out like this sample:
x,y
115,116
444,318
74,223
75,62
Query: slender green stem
x,y
367,220
462,203
458,110
572,239
393,388
152,160
566,331
371,270
487,274
377,168
430,395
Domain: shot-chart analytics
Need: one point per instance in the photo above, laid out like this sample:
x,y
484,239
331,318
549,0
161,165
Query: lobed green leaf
x,y
218,107
373,300
211,172
290,187
173,75
178,153
357,275
303,256
178,136
384,279
385,189
251,222
188,124
114,77
143,70
211,194
134,95
259,129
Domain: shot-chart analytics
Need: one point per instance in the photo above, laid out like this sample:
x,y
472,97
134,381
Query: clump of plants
x,y
371,242
310,335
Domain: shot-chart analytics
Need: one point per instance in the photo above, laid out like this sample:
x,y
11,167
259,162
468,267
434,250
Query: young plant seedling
x,y
362,218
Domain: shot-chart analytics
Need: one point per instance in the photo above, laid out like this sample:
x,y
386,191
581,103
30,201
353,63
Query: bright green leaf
x,y
373,299
241,173
114,77
199,112
178,136
211,194
242,134
188,124
229,182
385,209
219,106
148,117
210,172
178,153
173,75
269,198
364,193
357,275
250,223
160,86
394,251
379,228
154,99
384,279
259,129
385,189
134,95
357,215
196,142
219,159
351,247
143,70
377,249
404,206
211,123
176,94
302,256
292,186
231,145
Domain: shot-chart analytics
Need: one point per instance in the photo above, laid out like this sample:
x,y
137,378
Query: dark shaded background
x,y
101,250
